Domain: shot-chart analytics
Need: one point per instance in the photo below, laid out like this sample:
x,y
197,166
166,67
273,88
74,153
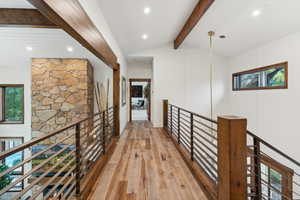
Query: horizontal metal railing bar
x,y
186,146
52,179
184,123
34,156
96,147
186,141
273,148
185,135
205,139
186,130
195,114
41,138
273,188
36,181
209,149
53,189
282,177
214,168
72,179
206,168
205,132
32,171
207,154
183,114
69,190
205,125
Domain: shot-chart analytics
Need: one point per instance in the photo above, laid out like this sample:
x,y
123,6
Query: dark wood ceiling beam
x,y
13,17
200,9
70,16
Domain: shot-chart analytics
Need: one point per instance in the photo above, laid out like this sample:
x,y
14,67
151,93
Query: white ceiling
x,y
15,4
128,22
46,43
230,17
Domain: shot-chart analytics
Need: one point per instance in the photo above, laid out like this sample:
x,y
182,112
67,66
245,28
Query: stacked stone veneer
x,y
62,92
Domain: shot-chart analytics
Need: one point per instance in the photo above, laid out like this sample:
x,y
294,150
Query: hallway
x,y
146,165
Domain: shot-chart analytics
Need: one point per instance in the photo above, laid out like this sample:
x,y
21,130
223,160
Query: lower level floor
x,y
146,165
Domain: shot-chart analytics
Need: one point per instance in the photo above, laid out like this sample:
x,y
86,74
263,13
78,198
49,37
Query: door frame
x,y
130,95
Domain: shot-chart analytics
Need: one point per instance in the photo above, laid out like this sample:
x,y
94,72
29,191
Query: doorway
x,y
140,99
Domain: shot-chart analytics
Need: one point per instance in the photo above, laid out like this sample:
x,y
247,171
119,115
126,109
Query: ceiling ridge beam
x,y
200,9
72,18
26,18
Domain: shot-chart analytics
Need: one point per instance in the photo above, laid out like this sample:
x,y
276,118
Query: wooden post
x,y
78,160
165,113
116,100
232,158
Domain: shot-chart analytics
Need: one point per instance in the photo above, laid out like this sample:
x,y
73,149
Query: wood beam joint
x,y
198,12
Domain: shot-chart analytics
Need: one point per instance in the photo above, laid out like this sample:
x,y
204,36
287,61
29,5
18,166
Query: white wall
x,y
271,114
182,77
93,9
15,64
140,69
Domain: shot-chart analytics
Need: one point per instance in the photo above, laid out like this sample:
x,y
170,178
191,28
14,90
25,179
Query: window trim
x,y
287,182
284,64
3,104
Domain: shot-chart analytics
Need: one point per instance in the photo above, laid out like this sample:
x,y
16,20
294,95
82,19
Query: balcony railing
x,y
59,165
229,161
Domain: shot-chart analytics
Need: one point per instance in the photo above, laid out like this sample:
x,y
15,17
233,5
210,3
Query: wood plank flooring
x,y
146,165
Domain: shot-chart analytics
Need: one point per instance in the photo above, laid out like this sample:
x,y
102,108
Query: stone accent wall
x,y
62,92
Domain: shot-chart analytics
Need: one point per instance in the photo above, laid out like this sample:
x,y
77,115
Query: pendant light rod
x,y
211,34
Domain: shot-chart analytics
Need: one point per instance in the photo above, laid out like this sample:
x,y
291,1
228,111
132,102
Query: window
x,y
11,104
276,178
269,77
7,143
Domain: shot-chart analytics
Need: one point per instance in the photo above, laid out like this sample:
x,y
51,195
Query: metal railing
x,y
56,164
198,135
271,174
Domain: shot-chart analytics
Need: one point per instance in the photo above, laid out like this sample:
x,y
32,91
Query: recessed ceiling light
x,y
147,10
144,36
29,48
70,49
256,13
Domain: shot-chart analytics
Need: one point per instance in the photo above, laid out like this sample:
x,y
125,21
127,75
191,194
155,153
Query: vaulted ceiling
x,y
232,18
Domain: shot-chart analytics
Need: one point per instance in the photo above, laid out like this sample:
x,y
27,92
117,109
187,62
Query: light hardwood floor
x,y
146,165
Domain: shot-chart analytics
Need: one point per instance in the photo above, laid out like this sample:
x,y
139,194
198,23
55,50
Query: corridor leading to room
x,y
146,165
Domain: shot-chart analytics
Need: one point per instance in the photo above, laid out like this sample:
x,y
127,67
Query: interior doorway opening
x,y
140,99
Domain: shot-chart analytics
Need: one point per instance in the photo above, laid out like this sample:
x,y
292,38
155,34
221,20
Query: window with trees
x,y
269,77
12,104
7,143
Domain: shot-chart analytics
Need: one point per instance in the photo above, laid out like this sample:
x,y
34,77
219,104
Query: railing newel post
x,y
78,160
232,158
